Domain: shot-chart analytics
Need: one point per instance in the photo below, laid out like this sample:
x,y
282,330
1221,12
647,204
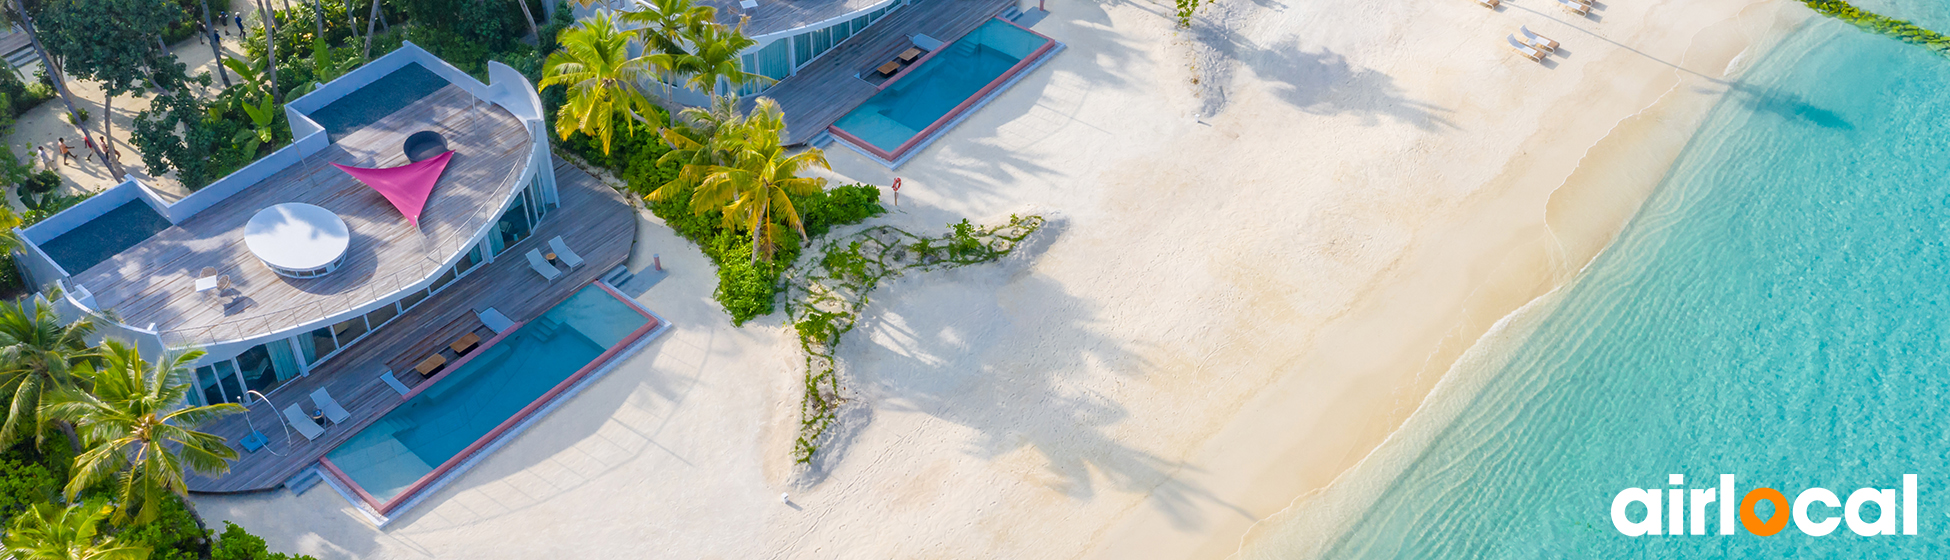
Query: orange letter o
x,y
1752,522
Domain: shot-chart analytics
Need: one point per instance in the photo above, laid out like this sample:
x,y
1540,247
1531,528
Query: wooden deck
x,y
153,282
593,219
827,89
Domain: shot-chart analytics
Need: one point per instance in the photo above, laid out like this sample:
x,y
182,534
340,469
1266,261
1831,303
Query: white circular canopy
x,y
297,239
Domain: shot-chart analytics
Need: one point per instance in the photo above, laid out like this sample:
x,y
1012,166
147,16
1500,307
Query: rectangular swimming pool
x,y
382,97
449,417
921,101
117,230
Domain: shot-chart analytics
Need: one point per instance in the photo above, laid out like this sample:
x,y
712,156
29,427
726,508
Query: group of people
x,y
66,153
223,21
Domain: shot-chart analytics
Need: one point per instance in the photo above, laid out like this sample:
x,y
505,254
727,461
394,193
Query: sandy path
x,y
1230,313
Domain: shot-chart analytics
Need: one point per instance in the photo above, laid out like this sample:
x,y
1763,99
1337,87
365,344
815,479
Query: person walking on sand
x,y
46,161
240,23
66,154
89,139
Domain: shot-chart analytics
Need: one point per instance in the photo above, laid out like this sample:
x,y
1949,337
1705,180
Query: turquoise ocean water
x,y
1779,310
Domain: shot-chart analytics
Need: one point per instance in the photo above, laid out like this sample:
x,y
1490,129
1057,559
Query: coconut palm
x,y
604,81
755,188
54,532
698,139
666,25
38,356
714,58
139,432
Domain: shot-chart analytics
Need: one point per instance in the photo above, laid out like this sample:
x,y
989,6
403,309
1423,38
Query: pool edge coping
x,y
381,512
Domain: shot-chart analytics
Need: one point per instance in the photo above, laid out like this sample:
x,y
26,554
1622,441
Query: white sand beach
x,y
1250,284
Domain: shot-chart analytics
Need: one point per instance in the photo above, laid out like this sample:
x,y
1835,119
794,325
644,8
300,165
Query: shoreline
x,y
1584,216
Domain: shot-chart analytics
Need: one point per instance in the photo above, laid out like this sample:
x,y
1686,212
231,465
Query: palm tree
x,y
271,47
604,81
9,240
38,356
139,431
714,58
699,139
755,189
54,532
665,25
25,21
529,18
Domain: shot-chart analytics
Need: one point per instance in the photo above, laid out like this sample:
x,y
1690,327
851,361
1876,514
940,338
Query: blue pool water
x,y
408,443
382,97
1779,310
117,230
925,94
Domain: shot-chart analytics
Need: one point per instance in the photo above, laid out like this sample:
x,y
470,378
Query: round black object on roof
x,y
424,145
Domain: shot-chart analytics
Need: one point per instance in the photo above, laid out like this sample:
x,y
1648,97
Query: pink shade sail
x,y
406,186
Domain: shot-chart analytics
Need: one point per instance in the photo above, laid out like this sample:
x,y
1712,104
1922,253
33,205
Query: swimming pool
x,y
447,418
382,97
117,230
920,101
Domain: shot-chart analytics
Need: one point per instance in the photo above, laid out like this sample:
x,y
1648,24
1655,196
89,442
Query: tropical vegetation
x,y
115,488
719,174
1901,30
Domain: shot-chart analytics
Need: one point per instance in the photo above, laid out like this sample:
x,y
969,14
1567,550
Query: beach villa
x,y
380,293
883,77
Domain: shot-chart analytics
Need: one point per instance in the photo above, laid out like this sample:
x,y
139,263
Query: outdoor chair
x,y
562,252
1526,50
299,421
333,411
541,265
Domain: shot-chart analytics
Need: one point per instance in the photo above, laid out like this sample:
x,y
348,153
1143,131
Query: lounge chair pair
x,y
562,253
1579,7
1532,46
296,417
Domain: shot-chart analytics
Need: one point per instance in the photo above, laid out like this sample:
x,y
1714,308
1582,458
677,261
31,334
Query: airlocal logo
x,y
1683,505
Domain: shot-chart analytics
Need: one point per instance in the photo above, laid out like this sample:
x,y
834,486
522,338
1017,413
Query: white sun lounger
x,y
387,377
1536,40
1489,3
333,411
299,421
541,265
562,252
1575,7
1526,50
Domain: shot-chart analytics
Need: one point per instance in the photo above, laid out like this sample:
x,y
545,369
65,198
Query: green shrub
x,y
237,544
23,480
172,536
42,182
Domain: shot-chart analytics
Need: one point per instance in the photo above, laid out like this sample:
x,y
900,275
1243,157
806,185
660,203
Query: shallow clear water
x,y
115,231
926,94
408,443
1779,310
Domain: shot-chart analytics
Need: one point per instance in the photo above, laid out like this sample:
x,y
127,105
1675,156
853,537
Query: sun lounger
x,y
465,343
1526,50
1575,7
494,320
562,252
541,265
387,377
333,411
430,364
1489,3
1536,40
299,421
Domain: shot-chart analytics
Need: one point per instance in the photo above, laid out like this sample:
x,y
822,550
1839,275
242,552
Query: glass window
x,y
841,32
317,344
514,226
801,49
206,380
444,279
227,376
821,40
380,316
861,22
349,330
470,260
412,299
261,373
